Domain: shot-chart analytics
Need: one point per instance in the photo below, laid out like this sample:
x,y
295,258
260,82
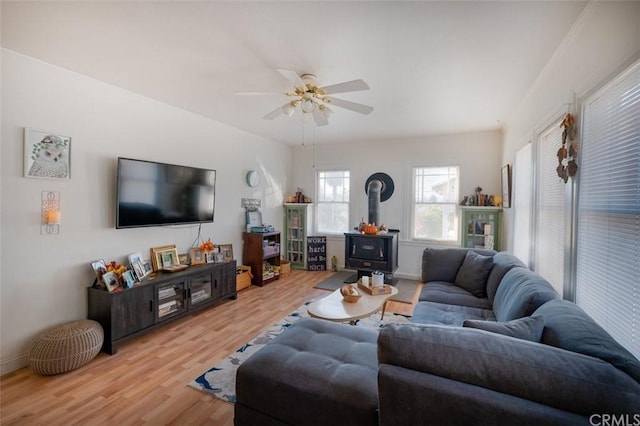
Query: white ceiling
x,y
433,67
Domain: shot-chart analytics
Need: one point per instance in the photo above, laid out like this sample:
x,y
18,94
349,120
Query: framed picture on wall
x,y
506,186
46,155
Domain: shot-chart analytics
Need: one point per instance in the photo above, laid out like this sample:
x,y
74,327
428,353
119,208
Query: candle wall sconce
x,y
50,213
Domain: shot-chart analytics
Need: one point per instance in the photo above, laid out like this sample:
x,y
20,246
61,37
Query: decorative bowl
x,y
351,298
349,293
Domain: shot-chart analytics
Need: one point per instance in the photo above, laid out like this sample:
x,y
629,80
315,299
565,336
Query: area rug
x,y
220,380
406,288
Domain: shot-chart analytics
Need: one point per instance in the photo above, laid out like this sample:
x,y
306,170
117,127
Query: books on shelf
x,y
165,292
167,308
199,295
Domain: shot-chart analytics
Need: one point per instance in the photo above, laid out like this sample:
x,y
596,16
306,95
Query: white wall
x,y
44,278
477,154
603,40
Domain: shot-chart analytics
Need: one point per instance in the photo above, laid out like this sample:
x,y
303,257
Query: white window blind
x,y
522,182
608,218
551,209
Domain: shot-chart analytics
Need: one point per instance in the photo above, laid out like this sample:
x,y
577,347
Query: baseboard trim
x,y
13,363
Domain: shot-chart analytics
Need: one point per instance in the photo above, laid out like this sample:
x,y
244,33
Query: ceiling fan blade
x,y
319,118
256,93
347,86
276,112
362,109
293,77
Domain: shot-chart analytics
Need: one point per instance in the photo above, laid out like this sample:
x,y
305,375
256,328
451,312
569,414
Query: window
x,y
552,205
435,212
608,215
333,202
522,205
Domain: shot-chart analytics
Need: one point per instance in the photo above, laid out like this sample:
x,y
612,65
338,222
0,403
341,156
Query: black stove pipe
x,y
373,190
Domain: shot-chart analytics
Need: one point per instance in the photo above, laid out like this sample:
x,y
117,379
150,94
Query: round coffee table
x,y
334,308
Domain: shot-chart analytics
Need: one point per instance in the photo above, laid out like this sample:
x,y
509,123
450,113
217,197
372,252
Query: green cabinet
x,y
297,226
481,227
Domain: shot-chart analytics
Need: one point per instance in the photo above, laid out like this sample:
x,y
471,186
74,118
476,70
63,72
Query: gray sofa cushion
x,y
443,264
315,373
526,328
448,293
531,371
520,293
444,314
567,326
472,275
502,263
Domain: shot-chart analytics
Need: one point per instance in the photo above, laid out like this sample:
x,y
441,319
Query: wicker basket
x,y
285,268
243,277
66,347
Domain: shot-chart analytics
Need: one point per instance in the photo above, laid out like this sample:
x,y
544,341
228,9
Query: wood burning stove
x,y
368,253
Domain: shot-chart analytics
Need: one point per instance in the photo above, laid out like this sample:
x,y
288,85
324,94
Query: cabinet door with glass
x,y
297,226
481,227
171,298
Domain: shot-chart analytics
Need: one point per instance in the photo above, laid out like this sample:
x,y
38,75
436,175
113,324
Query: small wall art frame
x,y
506,186
47,155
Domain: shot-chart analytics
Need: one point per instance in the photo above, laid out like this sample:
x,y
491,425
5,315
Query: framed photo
x,y
128,278
210,256
157,266
227,252
46,155
139,270
197,256
148,268
135,262
110,280
167,259
219,257
99,268
183,258
506,186
134,258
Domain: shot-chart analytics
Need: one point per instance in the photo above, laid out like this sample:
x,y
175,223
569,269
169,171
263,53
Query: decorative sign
x,y
316,253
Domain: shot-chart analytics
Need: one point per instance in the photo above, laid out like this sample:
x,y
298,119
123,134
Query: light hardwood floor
x,y
146,381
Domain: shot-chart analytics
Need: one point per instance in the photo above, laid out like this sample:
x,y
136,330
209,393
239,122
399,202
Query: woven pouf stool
x,y
66,347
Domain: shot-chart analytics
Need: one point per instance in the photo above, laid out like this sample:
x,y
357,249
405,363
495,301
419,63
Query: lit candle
x,y
53,217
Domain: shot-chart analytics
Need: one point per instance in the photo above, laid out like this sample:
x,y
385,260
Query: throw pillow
x,y
474,272
526,328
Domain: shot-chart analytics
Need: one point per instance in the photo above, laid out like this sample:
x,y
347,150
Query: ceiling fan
x,y
313,100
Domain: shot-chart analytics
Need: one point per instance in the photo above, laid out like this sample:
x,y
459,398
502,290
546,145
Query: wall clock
x,y
253,178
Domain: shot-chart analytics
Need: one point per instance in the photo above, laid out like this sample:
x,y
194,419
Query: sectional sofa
x,y
491,343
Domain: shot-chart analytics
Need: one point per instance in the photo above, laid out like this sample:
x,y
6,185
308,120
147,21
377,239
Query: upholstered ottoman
x,y
315,373
66,347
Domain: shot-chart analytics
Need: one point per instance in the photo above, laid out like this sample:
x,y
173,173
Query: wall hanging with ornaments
x,y
568,152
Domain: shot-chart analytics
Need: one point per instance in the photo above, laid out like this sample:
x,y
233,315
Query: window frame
x,y
319,202
454,204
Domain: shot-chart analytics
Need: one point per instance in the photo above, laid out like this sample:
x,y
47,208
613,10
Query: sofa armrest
x,y
533,371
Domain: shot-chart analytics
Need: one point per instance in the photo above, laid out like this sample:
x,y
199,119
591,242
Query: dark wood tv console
x,y
158,300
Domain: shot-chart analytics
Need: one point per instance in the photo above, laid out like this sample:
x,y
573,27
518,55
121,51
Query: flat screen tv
x,y
155,194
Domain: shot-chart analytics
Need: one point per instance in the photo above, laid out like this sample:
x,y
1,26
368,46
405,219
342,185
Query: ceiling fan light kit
x,y
312,99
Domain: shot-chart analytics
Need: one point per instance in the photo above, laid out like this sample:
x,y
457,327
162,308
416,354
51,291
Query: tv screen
x,y
153,194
